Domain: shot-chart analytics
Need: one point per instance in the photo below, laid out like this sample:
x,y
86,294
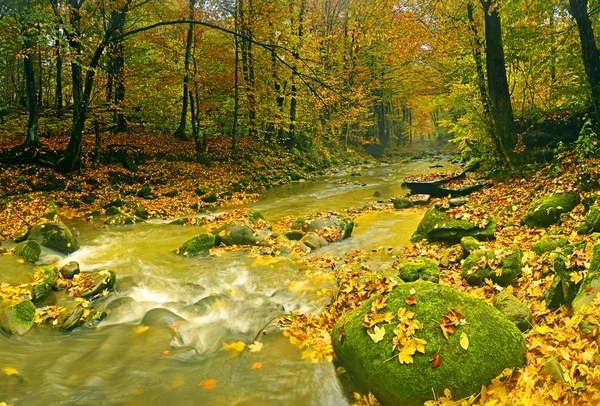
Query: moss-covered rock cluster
x,y
547,211
436,226
200,244
495,343
424,269
484,264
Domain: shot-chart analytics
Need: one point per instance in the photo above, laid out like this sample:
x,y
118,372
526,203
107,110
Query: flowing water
x,y
221,298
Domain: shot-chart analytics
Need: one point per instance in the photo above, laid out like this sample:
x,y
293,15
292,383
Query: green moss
x,y
112,211
436,226
546,211
545,244
199,244
590,285
55,236
17,318
402,203
513,310
494,344
29,250
510,267
294,235
592,221
425,269
468,244
255,216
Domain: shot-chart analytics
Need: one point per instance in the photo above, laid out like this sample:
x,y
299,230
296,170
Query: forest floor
x,y
563,363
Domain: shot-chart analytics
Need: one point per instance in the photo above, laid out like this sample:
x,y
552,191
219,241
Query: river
x,y
224,298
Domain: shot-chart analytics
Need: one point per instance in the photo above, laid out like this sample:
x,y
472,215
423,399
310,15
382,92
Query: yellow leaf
x,y
234,348
256,365
208,384
11,371
377,334
543,329
412,291
464,341
576,277
21,261
86,313
256,346
140,329
405,356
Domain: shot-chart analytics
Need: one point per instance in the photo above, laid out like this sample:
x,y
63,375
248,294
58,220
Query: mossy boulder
x,y
200,244
210,198
547,211
514,310
45,280
331,226
255,216
424,268
495,343
70,269
17,318
590,286
55,236
29,250
548,244
563,290
294,235
112,211
313,241
592,221
436,226
486,264
237,234
402,203
468,244
144,191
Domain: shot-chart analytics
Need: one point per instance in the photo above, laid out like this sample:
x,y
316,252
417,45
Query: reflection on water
x,y
170,316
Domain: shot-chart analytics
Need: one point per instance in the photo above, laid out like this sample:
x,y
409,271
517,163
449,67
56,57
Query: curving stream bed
x,y
223,298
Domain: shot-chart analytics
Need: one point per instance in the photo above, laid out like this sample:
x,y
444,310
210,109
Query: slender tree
x,y
180,133
501,107
589,53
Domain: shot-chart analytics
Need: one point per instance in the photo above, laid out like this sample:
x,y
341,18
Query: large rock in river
x,y
17,318
546,211
494,344
55,236
331,226
237,234
436,226
200,244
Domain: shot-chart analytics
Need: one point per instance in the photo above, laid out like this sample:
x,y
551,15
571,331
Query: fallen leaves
x,y
256,365
208,384
464,341
377,334
233,348
256,346
450,321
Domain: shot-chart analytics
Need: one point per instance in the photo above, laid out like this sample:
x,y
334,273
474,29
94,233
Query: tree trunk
x,y
247,63
236,88
82,91
117,58
180,133
40,79
31,139
477,50
296,55
589,52
59,95
501,107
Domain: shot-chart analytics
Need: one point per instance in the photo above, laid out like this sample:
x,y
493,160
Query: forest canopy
x,y
387,72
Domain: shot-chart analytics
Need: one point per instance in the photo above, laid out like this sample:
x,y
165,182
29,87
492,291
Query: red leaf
x,y
410,300
435,361
590,290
